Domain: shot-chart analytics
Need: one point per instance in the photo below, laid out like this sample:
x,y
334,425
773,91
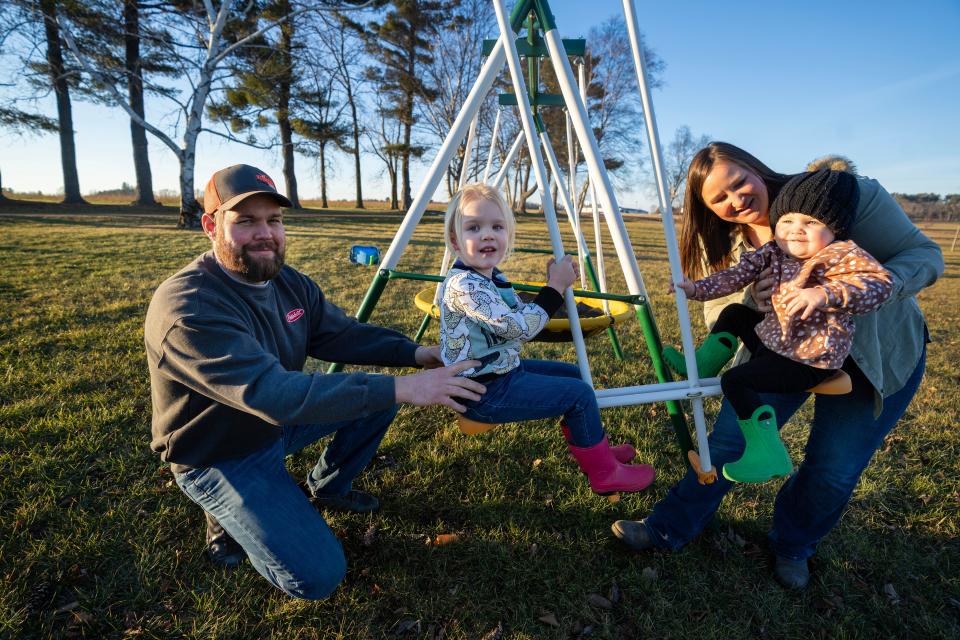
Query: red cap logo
x,y
294,315
265,178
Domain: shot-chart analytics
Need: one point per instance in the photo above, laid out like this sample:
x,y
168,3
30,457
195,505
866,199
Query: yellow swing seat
x,y
557,329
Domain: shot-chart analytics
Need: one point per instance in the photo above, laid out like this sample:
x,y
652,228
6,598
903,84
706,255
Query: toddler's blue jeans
x,y
541,389
259,504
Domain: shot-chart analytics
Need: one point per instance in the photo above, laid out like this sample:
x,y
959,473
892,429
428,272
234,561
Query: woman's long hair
x,y
704,237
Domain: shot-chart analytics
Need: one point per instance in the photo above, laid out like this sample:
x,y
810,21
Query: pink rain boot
x,y
622,452
605,474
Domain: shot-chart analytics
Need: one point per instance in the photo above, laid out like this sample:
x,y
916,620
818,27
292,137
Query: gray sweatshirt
x,y
226,360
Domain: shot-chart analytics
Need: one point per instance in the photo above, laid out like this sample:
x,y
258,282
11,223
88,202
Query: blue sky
x,y
877,81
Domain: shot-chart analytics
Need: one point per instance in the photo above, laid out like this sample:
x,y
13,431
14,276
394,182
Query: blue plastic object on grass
x,y
364,254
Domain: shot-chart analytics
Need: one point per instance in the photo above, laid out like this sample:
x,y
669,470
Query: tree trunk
x,y
283,113
68,152
3,198
356,146
190,209
323,175
138,135
392,170
405,156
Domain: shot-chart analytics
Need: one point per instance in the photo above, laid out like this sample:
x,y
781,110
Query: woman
x,y
726,212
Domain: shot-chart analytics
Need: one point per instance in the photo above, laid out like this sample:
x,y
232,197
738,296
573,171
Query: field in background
x,y
97,541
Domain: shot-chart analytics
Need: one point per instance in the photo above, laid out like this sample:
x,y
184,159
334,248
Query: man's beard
x,y
249,268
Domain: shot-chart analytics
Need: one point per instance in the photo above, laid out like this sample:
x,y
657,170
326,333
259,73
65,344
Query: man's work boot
x,y
222,550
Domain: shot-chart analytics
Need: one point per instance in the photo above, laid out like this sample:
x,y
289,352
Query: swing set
x,y
530,30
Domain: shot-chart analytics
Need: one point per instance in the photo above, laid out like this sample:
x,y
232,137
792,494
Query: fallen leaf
x,y
370,536
68,607
614,594
649,574
537,463
444,538
613,497
406,626
891,594
494,634
598,600
549,618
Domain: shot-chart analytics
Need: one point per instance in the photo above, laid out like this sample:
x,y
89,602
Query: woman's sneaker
x,y
633,533
791,574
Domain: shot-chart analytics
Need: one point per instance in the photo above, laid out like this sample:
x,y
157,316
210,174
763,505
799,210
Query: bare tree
x,y
198,43
679,153
339,43
453,74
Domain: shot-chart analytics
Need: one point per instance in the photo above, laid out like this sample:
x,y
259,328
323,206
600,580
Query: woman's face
x,y
736,194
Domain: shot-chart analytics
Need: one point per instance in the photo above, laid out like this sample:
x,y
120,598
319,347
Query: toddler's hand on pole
x,y
562,274
686,285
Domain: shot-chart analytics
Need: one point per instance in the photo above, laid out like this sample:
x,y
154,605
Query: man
x,y
226,341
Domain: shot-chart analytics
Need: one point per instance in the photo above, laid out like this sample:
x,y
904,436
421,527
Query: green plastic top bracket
x,y
539,7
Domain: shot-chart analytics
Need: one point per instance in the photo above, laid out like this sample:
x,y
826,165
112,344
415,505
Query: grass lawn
x,y
97,541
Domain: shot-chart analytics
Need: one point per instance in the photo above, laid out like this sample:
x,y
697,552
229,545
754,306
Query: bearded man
x,y
226,339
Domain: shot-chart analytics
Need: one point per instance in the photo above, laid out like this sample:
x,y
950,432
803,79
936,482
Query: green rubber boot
x,y
765,457
716,351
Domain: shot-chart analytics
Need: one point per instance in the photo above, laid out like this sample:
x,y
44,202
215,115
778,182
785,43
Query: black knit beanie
x,y
829,196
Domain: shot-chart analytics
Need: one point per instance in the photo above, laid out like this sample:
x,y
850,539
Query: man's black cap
x,y
231,186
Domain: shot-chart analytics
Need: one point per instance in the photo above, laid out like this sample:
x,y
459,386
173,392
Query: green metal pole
x,y
423,328
614,340
652,337
374,291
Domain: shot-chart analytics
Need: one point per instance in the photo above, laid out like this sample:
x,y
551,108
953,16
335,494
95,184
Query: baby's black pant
x,y
766,371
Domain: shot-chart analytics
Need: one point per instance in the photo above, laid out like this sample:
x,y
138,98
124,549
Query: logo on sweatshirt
x,y
293,316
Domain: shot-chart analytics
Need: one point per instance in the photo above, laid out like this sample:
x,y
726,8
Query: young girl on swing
x,y
822,280
481,318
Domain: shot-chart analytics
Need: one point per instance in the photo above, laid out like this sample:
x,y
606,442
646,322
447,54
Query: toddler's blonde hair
x,y
471,193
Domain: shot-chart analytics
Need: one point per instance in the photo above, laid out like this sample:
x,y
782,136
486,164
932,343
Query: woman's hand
x,y
762,290
686,285
563,274
804,301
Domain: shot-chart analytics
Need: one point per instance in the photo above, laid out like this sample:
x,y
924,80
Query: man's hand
x,y
805,301
440,386
686,284
428,357
763,290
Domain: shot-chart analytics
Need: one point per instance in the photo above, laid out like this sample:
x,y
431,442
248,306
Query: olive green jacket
x,y
887,343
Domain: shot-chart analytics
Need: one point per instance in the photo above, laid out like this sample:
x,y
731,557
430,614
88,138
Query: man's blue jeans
x,y
541,389
259,504
843,438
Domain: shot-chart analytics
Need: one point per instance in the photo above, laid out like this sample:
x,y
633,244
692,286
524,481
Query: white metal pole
x,y
493,146
465,169
598,240
488,74
572,197
598,237
666,218
582,248
597,172
540,171
514,148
